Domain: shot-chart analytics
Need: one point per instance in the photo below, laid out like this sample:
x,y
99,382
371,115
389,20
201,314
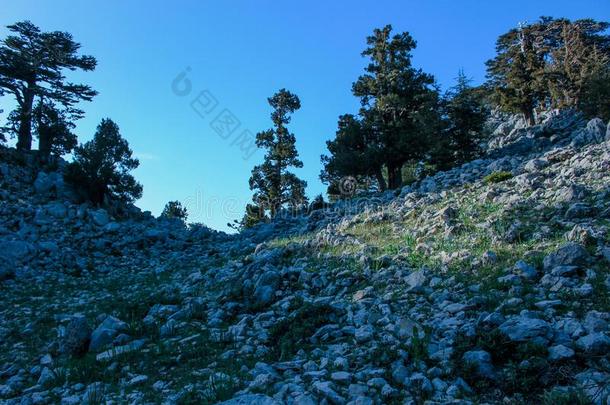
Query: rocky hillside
x,y
489,283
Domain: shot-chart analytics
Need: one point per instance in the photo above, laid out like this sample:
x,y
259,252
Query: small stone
x,y
46,360
524,270
536,165
416,281
341,363
250,399
341,377
585,290
364,333
421,383
560,352
595,322
548,304
326,390
388,392
594,343
46,377
105,333
137,380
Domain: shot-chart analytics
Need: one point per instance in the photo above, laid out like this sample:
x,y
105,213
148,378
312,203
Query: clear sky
x,y
239,53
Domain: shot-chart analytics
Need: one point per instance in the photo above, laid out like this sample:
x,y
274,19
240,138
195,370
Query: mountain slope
x,y
487,283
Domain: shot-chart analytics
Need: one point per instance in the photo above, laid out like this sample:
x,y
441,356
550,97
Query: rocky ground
x,y
489,283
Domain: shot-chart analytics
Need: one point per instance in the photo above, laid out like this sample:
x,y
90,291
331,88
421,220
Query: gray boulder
x,y
481,361
46,377
265,288
13,253
47,182
594,132
15,250
579,210
364,333
100,217
596,129
570,254
525,270
57,210
105,333
76,337
523,329
326,390
594,343
416,281
535,165
595,322
560,352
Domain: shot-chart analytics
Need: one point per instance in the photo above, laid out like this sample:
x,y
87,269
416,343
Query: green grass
x,y
497,177
292,333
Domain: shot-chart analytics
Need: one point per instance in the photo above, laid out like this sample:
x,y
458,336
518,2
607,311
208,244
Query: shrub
x,y
289,334
497,177
318,203
100,170
174,209
564,397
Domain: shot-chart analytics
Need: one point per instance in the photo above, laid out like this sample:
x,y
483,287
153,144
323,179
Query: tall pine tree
x,y
353,153
101,167
32,65
274,185
579,51
516,74
465,115
395,97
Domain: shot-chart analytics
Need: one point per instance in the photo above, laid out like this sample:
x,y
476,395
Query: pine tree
x,y
578,51
53,127
275,187
595,96
254,215
318,203
465,115
32,65
352,154
2,129
174,210
100,170
548,64
517,73
395,98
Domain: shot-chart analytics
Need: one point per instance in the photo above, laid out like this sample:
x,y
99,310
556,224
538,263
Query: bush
x,y
564,397
290,334
174,209
100,170
497,177
318,203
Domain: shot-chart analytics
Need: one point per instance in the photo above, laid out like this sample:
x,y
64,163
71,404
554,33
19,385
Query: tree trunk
x,y
44,145
380,180
394,176
528,114
24,136
45,138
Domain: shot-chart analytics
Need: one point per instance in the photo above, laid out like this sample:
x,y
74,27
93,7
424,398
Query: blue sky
x,y
239,53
